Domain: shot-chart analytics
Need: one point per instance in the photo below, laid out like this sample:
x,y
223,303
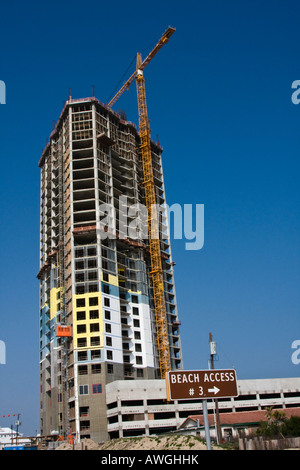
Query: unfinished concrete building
x,y
97,319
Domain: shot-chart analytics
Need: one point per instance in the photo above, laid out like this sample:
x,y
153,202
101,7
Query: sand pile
x,y
155,443
166,442
85,444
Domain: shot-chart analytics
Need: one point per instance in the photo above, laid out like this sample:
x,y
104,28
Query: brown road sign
x,y
202,384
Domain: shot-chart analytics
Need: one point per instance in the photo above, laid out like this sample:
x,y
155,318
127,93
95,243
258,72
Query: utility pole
x,y
17,423
213,352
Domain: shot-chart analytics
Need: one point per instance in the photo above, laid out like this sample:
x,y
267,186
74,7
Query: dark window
x,y
81,329
80,302
80,316
94,327
97,388
83,389
106,288
93,301
94,314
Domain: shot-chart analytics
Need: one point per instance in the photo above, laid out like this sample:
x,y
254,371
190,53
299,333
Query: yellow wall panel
x,y
53,302
87,321
113,280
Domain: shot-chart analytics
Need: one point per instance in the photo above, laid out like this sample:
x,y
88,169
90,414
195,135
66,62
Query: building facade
x,y
143,408
97,322
237,424
9,437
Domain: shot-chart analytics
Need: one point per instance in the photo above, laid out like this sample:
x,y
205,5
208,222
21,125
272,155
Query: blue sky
x,y
219,97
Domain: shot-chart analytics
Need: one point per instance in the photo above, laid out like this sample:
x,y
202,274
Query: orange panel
x,y
63,331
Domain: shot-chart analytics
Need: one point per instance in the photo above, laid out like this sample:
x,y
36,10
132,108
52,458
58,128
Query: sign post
x,y
202,385
206,424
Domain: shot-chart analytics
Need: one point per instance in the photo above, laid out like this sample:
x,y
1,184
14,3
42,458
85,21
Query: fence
x,y
261,443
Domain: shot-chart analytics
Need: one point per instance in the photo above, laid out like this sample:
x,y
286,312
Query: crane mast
x,y
153,223
153,228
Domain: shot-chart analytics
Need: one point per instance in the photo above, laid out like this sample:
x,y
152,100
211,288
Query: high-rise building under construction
x,y
97,310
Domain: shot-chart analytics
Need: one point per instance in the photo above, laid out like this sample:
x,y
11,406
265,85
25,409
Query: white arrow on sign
x,y
214,390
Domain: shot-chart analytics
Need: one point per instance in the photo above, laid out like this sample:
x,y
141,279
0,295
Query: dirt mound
x,y
169,442
166,442
64,446
85,444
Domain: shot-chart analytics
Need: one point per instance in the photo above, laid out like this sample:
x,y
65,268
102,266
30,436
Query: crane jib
x,y
163,40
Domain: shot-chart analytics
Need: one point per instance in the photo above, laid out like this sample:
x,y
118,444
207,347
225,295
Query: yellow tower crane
x,y
153,227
